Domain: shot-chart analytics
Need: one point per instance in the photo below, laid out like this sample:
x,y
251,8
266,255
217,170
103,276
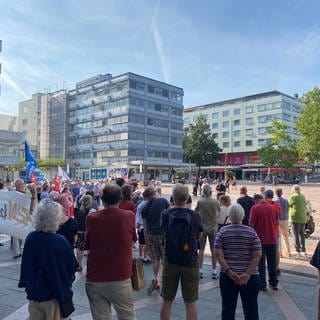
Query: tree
x,y
281,151
308,125
199,146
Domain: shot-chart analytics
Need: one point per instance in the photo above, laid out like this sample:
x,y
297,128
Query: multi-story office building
x,y
52,125
241,125
11,149
29,121
9,122
43,121
124,122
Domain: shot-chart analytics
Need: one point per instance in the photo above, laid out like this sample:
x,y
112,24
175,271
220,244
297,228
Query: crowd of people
x,y
105,220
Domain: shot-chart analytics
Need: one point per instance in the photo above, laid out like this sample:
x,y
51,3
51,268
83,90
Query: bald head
x,y
20,185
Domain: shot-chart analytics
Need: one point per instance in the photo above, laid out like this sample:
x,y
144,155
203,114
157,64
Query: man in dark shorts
x,y
151,214
182,266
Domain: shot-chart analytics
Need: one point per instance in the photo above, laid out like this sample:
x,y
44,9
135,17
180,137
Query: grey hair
x,y
86,201
235,213
53,195
48,215
296,188
206,190
180,193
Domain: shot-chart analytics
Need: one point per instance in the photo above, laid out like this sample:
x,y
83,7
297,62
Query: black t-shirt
x,y
221,188
69,229
196,229
152,213
246,203
80,218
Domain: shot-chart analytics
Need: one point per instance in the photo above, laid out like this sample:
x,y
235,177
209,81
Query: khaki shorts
x,y
102,295
203,240
188,276
44,310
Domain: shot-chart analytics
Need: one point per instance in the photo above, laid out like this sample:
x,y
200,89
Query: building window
x,y
215,125
225,134
165,93
262,107
236,111
236,133
25,109
249,121
262,142
236,122
158,91
215,135
150,89
225,145
225,124
236,143
24,122
215,115
249,132
262,130
176,141
225,113
249,109
248,143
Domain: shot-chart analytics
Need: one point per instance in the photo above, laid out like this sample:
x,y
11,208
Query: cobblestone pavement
x,y
295,299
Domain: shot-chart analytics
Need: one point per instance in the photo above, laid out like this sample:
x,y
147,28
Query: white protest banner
x,y
15,217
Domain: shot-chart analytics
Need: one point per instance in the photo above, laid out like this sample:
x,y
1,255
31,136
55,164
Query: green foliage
x,y
308,125
281,151
199,146
48,163
230,174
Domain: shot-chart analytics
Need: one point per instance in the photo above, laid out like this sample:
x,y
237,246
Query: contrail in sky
x,y
14,85
158,42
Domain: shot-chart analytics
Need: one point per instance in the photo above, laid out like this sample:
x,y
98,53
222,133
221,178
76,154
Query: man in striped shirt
x,y
238,250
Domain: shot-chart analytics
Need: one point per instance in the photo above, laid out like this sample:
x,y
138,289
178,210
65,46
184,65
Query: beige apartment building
x,y
240,125
43,121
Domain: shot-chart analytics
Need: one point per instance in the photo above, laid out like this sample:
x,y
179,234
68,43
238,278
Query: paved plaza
x,y
295,299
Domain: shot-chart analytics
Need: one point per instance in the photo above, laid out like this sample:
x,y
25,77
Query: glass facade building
x,y
126,121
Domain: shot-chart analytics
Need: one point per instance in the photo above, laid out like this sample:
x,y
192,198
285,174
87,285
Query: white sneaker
x,y
214,274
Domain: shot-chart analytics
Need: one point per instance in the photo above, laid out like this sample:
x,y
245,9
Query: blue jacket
x,y
48,267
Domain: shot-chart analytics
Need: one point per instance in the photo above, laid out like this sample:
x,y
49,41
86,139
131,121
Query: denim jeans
x,y
298,236
248,293
269,252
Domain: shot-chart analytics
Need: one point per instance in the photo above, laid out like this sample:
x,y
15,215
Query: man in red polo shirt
x,y
109,239
268,196
265,220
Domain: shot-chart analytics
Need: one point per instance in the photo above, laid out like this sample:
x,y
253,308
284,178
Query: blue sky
x,y
215,50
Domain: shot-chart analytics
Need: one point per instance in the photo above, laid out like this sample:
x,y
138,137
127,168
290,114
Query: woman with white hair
x,y
238,250
298,218
48,264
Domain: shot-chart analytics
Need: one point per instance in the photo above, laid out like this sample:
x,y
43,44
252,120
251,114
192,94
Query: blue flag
x,y
31,162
